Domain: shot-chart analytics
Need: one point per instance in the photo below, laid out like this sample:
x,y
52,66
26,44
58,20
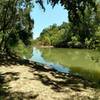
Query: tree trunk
x,y
2,44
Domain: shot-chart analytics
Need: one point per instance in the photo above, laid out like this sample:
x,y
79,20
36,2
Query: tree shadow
x,y
5,78
21,96
62,80
3,88
58,83
6,94
7,60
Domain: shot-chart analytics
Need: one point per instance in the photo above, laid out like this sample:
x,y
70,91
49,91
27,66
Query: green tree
x,y
81,15
98,12
15,23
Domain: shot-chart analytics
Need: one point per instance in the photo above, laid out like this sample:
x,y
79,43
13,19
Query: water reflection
x,y
38,57
83,62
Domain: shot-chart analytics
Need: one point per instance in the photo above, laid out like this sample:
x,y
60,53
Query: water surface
x,y
80,61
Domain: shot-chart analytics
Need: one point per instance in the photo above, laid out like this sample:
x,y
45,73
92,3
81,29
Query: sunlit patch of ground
x,y
28,83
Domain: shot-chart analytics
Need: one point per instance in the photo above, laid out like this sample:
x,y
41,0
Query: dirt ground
x,y
23,82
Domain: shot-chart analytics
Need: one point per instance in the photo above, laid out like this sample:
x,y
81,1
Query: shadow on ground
x,y
57,82
4,88
5,94
61,81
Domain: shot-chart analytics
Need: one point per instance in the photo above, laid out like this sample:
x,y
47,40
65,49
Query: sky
x,y
56,15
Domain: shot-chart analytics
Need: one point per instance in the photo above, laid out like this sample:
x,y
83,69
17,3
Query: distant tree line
x,y
64,36
82,30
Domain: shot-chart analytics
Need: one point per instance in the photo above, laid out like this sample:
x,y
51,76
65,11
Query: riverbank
x,y
43,46
25,80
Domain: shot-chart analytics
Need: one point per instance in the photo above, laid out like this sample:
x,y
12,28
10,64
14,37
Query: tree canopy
x,y
15,22
82,15
63,36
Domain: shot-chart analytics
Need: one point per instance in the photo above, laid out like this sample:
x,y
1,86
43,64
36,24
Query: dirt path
x,y
26,83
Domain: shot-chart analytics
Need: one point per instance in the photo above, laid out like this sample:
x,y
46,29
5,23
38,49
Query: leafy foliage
x,y
15,22
63,36
82,15
82,26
